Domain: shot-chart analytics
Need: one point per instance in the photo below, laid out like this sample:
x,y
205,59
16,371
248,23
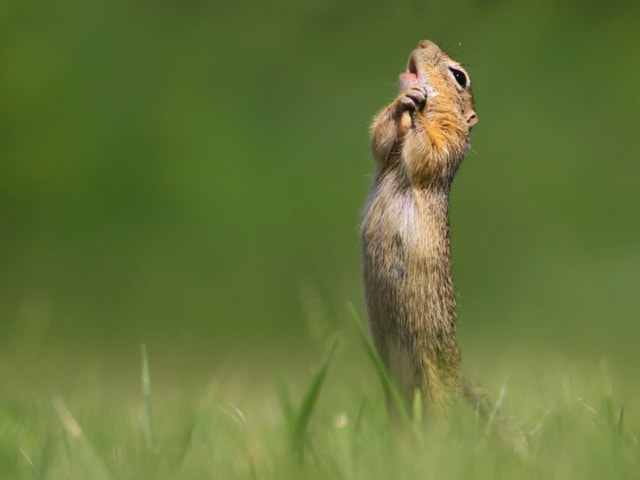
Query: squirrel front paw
x,y
412,99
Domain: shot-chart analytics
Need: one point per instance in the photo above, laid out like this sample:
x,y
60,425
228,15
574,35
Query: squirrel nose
x,y
425,44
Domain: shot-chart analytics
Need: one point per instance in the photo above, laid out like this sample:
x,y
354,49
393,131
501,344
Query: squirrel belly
x,y
409,291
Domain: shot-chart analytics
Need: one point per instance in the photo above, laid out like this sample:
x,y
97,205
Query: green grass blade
x,y
494,413
299,431
417,408
285,402
47,454
388,385
621,421
357,423
86,453
147,414
417,414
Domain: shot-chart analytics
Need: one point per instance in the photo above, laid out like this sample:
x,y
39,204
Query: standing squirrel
x,y
418,142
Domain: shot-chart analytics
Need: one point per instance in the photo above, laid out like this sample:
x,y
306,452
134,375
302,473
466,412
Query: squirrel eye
x,y
460,77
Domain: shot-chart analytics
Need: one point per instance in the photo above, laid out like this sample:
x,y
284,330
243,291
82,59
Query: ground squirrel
x,y
418,142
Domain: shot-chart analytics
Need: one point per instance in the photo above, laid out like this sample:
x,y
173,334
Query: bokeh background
x,y
190,175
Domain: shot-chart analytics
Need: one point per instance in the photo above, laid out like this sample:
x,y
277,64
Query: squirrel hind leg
x,y
402,367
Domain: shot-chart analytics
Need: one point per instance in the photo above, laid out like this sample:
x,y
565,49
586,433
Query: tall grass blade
x,y
285,402
390,389
47,454
183,445
303,416
88,456
147,413
357,423
492,417
417,414
621,421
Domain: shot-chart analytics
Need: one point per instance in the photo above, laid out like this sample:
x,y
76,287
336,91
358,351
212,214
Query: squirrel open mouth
x,y
412,68
409,77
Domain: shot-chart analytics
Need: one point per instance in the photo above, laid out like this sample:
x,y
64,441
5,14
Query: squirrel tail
x,y
505,426
478,399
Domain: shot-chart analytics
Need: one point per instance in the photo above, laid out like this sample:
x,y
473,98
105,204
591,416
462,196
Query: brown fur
x,y
418,142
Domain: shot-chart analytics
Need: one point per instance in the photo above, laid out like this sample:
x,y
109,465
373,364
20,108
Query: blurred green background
x,y
190,174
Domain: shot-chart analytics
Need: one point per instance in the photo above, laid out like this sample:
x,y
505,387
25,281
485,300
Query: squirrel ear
x,y
472,119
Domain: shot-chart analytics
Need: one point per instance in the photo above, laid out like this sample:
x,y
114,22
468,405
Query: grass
x,y
330,423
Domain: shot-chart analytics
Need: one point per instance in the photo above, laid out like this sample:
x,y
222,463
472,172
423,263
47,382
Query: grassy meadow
x,y
189,177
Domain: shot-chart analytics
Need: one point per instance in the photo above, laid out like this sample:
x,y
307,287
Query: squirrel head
x,y
442,78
